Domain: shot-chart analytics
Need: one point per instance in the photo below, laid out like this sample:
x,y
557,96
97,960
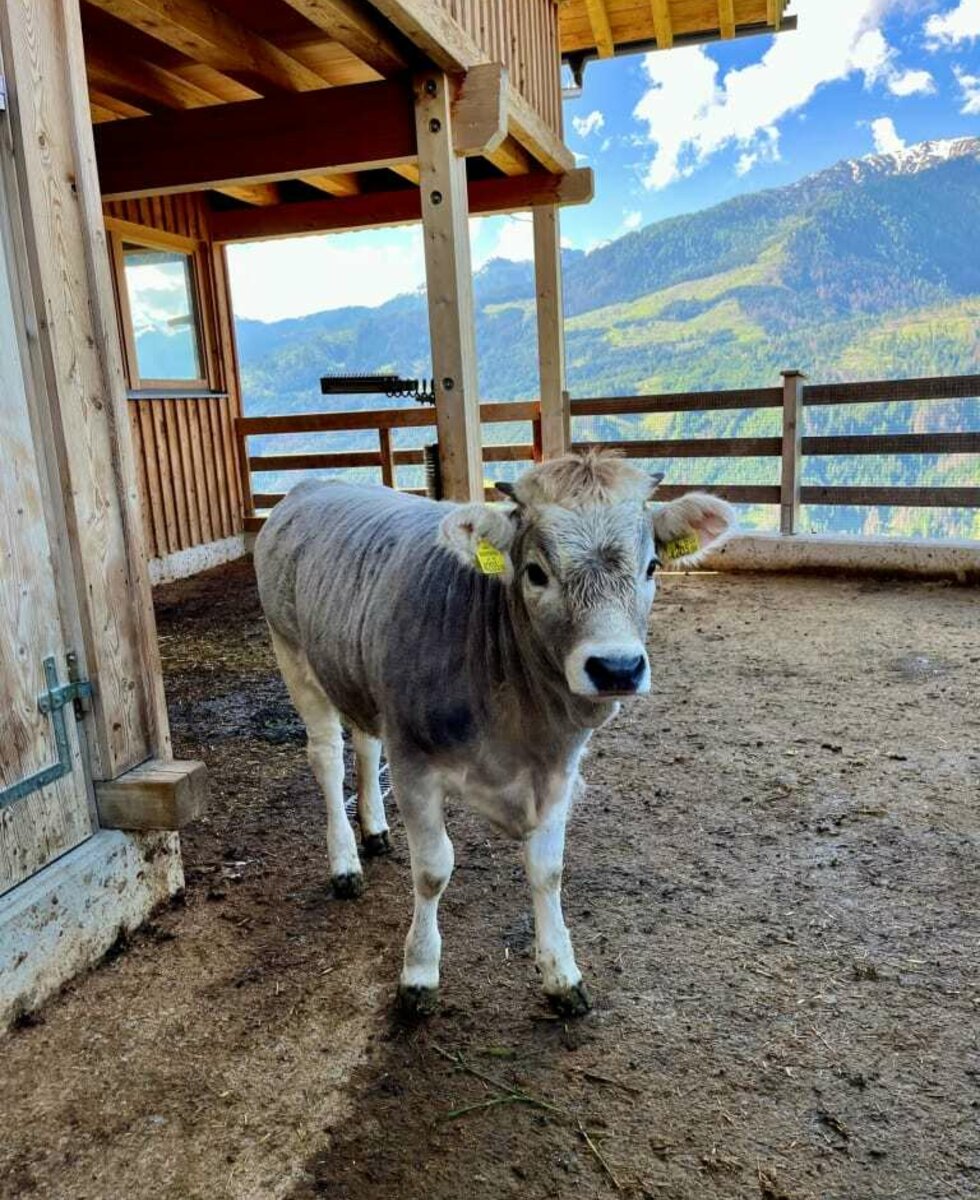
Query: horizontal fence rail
x,y
386,458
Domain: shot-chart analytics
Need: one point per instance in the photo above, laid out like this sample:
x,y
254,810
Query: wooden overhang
x,y
288,102
602,28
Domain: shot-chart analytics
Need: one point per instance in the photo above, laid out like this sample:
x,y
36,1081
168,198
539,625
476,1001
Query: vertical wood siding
x,y
185,447
523,35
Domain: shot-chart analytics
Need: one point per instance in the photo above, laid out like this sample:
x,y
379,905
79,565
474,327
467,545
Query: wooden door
x,y
42,824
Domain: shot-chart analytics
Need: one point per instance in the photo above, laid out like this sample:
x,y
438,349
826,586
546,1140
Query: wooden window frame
x,y
125,233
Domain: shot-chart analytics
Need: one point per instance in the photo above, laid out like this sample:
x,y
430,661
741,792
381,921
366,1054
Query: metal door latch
x,y
52,703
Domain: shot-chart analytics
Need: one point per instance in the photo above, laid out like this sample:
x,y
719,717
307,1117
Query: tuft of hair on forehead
x,y
594,477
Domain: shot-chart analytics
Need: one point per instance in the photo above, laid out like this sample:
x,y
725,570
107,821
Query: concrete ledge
x,y
182,563
820,554
65,918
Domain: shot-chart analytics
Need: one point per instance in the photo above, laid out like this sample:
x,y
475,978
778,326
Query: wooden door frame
x,y
77,348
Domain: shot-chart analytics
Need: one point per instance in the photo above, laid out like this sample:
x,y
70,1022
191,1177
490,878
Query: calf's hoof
x,y
571,1001
413,1002
347,887
376,844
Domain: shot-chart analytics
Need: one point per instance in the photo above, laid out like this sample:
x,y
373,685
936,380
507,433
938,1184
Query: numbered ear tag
x,y
681,547
489,559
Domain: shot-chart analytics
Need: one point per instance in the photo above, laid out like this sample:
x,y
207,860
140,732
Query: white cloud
x,y
959,24
591,124
885,136
911,83
295,276
691,113
970,89
502,237
632,220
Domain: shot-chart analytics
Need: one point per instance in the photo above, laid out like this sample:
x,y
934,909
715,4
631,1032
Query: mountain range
x,y
868,269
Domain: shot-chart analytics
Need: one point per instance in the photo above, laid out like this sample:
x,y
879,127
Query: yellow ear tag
x,y
489,559
681,547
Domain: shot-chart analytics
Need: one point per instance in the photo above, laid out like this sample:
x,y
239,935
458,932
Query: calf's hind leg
x,y
325,750
370,805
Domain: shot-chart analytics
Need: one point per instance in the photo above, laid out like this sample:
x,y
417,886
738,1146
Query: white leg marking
x,y
370,805
325,750
544,852
432,865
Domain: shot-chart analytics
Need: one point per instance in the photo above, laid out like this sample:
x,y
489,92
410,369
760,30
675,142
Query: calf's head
x,y
579,545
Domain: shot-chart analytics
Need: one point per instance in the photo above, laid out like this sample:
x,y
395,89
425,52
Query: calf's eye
x,y
536,576
652,567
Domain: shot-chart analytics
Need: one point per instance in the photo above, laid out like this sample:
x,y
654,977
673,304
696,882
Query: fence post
x,y
789,484
387,459
244,470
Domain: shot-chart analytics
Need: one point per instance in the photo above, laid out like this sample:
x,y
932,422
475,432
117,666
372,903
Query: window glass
x,y
160,284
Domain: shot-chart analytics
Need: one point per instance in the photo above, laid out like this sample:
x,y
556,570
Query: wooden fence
x,y
791,446
385,458
792,397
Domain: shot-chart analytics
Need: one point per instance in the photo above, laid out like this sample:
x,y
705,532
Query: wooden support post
x,y
449,282
555,422
789,486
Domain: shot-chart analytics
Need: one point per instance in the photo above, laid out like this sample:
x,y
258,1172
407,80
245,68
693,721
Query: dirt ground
x,y
773,887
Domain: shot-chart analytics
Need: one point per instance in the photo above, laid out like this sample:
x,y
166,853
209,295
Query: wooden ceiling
x,y
603,27
150,57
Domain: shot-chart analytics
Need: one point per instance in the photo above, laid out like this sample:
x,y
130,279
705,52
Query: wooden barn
x,y
138,139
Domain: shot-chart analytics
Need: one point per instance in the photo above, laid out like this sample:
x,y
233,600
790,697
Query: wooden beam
x,y
555,421
514,194
528,127
262,195
353,26
511,158
144,85
774,13
429,25
599,20
357,127
209,35
154,795
662,26
449,289
726,18
334,185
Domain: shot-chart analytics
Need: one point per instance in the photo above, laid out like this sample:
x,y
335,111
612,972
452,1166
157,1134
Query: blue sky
x,y
673,132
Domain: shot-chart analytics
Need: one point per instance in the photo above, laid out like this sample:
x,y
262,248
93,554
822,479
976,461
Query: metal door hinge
x,y
3,94
52,702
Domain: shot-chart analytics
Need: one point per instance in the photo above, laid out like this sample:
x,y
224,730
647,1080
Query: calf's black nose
x,y
615,674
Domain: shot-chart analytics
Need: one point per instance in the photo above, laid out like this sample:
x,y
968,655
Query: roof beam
x,y
515,194
726,18
353,27
601,31
329,132
428,25
262,195
209,35
662,26
774,13
144,85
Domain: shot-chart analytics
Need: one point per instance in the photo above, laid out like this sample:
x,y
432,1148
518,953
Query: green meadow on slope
x,y
868,270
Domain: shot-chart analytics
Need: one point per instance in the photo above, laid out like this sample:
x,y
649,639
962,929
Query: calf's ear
x,y
684,529
481,538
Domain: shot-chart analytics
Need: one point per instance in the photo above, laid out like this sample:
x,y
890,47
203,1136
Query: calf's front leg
x,y
421,804
544,853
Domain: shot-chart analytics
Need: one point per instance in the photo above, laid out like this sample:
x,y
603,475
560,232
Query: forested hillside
x,y
867,270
